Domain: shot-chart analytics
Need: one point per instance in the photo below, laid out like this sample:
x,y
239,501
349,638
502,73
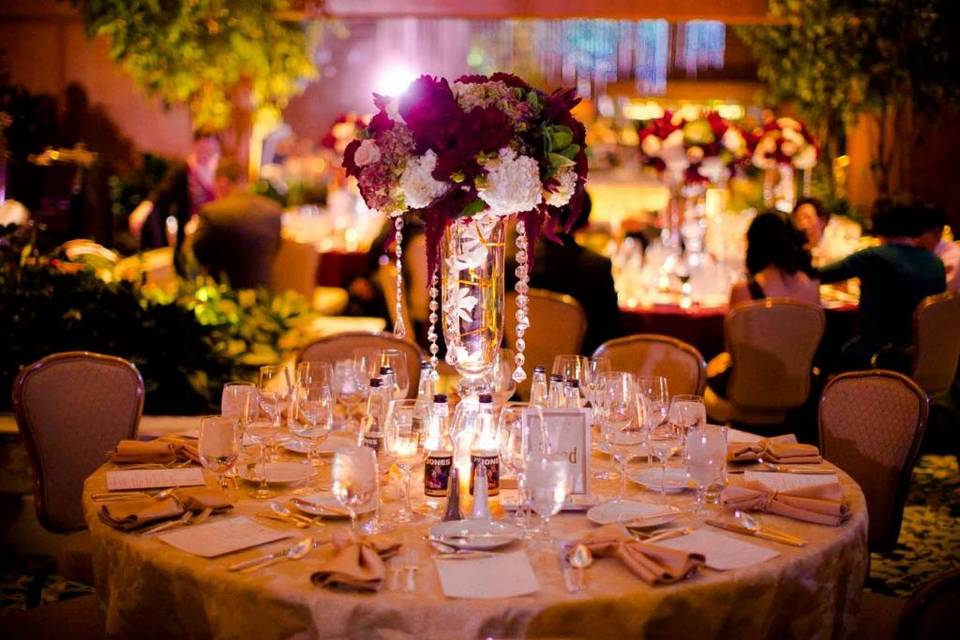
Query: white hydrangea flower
x,y
419,187
568,184
733,140
807,158
367,153
712,168
651,146
513,184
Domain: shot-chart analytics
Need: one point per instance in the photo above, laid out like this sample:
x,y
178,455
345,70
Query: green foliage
x,y
835,59
199,52
186,344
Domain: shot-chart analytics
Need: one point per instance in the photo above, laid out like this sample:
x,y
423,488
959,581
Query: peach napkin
x,y
773,451
139,452
820,503
651,563
137,512
357,565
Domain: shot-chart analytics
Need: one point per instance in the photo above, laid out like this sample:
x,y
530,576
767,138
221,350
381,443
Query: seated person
x,y
776,261
828,238
581,273
933,221
776,264
237,237
894,278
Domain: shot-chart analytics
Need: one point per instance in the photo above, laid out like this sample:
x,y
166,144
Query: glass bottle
x,y
484,449
425,398
377,401
571,394
555,393
538,388
439,446
388,381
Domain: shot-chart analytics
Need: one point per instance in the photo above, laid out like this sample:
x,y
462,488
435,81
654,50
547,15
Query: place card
x,y
568,433
722,552
504,575
222,537
788,481
154,478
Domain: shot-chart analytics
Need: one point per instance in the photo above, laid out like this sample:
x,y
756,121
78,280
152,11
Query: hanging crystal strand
x,y
433,318
522,288
399,329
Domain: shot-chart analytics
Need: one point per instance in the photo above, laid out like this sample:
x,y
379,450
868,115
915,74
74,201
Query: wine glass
x,y
571,367
397,360
706,458
548,482
513,452
596,367
687,412
315,416
653,390
405,442
620,424
350,388
264,433
219,445
271,381
239,400
665,439
315,373
502,383
354,479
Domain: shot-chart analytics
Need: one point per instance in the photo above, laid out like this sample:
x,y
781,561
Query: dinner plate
x,y
675,479
633,513
475,534
278,473
328,506
326,448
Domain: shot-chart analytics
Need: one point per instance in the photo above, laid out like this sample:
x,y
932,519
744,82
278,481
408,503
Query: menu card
x,y
503,575
226,536
154,478
723,552
789,481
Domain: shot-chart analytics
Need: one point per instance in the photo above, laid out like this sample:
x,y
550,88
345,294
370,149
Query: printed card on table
x,y
568,433
153,478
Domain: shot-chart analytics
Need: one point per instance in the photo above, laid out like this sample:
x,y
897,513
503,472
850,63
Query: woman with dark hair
x,y
776,263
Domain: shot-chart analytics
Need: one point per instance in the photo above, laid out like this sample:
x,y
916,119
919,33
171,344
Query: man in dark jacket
x,y
584,275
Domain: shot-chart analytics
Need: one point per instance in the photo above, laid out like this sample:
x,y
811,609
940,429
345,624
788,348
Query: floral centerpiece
x,y
780,147
692,151
342,132
466,156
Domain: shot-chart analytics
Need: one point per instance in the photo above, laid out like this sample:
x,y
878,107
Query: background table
x,y
153,590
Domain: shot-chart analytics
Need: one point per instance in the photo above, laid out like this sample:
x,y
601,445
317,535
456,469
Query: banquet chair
x,y
340,346
771,345
931,611
72,408
650,354
936,340
557,326
871,425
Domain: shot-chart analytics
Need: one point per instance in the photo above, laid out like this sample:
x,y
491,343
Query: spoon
x,y
450,552
296,552
580,558
750,523
283,511
184,519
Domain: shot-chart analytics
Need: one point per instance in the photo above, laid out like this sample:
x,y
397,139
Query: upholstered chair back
x,y
340,346
649,354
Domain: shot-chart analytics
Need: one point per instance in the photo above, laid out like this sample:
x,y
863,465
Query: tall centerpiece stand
x,y
782,147
467,157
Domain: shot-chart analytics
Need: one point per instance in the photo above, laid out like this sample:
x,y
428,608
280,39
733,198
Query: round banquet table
x,y
153,590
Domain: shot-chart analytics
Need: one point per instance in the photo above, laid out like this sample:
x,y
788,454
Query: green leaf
x,y
473,208
558,161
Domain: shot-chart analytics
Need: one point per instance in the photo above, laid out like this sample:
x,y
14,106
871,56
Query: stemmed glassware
x,y
263,432
706,457
665,439
653,391
313,372
270,385
620,420
502,384
548,482
219,445
571,367
596,367
315,417
354,479
239,400
406,444
369,361
513,453
350,389
687,412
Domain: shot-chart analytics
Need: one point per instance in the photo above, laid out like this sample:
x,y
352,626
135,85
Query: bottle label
x,y
373,440
436,474
491,464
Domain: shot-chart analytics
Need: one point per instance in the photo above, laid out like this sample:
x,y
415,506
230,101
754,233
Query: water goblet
x,y
264,433
354,479
219,445
687,412
406,444
547,478
596,367
314,416
706,458
665,439
350,389
620,422
270,384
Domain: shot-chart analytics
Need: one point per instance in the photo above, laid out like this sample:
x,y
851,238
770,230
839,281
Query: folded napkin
x,y
650,562
820,503
777,452
137,512
357,565
139,452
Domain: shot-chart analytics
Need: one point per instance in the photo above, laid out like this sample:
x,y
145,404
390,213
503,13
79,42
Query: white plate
x,y
279,473
676,480
640,514
327,506
475,534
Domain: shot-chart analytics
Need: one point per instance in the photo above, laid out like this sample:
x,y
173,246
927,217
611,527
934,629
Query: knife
x,y
567,571
245,564
766,535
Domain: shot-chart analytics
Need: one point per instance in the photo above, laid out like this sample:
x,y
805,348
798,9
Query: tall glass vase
x,y
472,298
